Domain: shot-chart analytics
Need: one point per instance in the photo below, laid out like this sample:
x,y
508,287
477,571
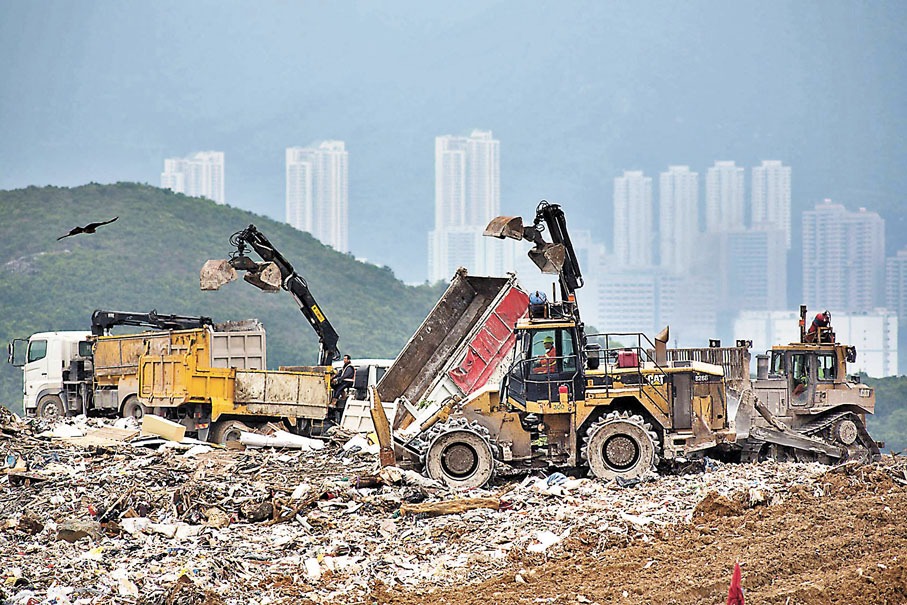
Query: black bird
x,y
89,228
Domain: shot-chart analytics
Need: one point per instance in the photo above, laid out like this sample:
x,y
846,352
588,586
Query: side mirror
x,y
15,353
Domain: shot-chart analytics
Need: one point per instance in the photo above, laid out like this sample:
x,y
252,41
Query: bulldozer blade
x,y
549,257
505,226
216,273
266,277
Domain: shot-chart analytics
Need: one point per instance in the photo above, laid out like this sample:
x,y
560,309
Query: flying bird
x,y
89,228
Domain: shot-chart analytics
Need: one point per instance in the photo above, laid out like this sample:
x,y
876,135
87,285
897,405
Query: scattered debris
x,y
123,522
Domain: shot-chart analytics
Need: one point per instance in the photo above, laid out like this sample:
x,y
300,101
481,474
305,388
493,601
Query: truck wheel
x,y
620,445
227,430
461,458
133,408
51,407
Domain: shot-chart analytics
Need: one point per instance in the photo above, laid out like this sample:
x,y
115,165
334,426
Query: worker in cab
x,y
547,363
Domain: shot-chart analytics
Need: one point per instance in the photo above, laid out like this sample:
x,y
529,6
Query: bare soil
x,y
846,544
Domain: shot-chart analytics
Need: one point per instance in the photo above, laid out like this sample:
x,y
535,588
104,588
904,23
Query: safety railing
x,y
627,354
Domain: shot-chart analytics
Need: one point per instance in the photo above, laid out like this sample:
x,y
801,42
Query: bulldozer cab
x,y
546,367
808,371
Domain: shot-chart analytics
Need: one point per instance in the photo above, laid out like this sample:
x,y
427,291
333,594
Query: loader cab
x,y
547,358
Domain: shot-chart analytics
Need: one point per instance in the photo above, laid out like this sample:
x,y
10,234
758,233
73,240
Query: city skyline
x,y
105,91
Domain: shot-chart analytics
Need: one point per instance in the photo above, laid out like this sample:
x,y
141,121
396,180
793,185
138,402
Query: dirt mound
x,y
841,541
715,505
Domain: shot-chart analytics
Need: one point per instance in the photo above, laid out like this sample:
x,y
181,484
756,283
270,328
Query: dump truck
x,y
180,378
72,372
464,344
212,378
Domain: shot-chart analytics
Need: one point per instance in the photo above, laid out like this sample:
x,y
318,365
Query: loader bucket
x,y
216,273
505,226
549,257
266,276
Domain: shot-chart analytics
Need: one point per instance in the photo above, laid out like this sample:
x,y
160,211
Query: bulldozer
x,y
802,405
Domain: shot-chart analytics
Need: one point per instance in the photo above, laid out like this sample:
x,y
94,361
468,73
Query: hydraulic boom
x,y
275,273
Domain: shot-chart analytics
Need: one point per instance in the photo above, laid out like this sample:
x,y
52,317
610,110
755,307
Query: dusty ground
x,y
804,534
847,547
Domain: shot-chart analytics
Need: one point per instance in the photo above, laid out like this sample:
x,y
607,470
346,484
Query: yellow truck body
x,y
180,371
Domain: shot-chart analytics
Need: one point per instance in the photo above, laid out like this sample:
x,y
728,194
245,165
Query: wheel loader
x,y
614,405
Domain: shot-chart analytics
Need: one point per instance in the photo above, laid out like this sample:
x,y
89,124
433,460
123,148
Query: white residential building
x,y
317,192
751,269
633,232
647,300
896,285
771,197
198,175
724,201
874,334
678,218
467,197
843,258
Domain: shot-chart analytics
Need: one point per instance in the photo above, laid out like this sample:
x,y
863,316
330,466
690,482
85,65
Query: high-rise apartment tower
x,y
317,192
467,197
771,197
198,175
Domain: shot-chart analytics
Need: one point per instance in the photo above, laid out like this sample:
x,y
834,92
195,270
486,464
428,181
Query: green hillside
x,y
150,259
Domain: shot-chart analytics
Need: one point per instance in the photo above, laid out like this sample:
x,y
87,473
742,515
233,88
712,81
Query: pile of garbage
x,y
92,512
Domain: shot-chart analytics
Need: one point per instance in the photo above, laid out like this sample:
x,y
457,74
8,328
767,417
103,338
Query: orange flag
x,y
735,592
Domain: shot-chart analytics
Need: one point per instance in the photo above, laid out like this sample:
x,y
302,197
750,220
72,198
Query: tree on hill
x,y
150,259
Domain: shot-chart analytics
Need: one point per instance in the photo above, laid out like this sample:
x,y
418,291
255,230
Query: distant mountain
x,y
150,259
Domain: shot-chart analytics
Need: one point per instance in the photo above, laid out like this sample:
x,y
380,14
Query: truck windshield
x,y
37,349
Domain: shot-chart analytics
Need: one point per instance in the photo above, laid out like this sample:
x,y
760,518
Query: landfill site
x,y
99,520
507,454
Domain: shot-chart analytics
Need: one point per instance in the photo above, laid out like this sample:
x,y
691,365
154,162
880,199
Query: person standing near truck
x,y
344,378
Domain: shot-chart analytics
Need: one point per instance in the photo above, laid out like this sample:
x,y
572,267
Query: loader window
x,y
826,367
544,352
778,368
37,349
553,352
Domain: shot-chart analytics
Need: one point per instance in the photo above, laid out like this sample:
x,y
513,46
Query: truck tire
x,y
50,407
620,445
133,408
227,430
460,457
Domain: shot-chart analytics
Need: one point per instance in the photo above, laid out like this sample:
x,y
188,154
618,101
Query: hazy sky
x,y
575,91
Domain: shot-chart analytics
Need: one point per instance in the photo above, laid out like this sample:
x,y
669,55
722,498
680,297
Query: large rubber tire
x,y
460,458
227,430
134,408
620,445
50,407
